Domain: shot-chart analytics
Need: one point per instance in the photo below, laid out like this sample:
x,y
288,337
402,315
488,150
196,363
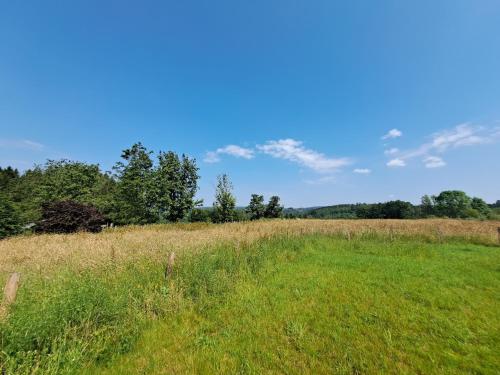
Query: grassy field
x,y
279,297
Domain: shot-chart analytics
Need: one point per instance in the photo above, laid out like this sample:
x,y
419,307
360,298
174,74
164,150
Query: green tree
x,y
397,210
427,206
10,223
22,192
225,202
273,208
67,180
452,203
256,209
175,185
134,200
481,206
56,181
197,215
7,176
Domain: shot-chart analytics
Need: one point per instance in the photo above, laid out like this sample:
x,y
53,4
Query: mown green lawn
x,y
323,305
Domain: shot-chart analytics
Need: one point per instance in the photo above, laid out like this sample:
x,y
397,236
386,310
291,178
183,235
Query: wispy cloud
x,y
21,144
391,151
393,133
292,150
321,181
462,135
362,170
396,163
211,157
434,162
233,150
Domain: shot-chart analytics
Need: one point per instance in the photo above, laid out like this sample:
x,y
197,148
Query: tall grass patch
x,y
311,303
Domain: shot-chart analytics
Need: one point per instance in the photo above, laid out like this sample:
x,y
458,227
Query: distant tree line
x,y
450,204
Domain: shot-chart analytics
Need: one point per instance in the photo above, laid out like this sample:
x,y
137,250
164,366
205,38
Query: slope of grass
x,y
320,304
286,304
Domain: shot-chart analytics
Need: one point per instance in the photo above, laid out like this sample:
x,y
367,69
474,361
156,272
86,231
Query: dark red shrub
x,y
69,217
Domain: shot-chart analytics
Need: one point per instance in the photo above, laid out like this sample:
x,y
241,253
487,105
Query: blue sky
x,y
320,102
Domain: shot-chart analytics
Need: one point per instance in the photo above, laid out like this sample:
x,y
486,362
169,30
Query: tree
x,y
67,180
388,210
7,175
200,215
273,208
225,202
452,203
69,217
175,185
134,198
397,210
256,209
54,181
427,206
10,223
23,193
481,206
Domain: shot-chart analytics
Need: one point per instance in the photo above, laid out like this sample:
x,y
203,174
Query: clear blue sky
x,y
320,102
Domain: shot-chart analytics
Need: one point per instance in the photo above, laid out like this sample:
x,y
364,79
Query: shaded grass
x,y
310,304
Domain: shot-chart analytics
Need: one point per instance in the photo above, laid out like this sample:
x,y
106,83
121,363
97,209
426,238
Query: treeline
x,y
143,188
450,204
138,191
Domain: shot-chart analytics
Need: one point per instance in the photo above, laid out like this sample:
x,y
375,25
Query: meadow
x,y
277,297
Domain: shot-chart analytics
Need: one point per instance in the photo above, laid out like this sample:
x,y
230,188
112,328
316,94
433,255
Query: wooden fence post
x,y
440,234
10,290
170,265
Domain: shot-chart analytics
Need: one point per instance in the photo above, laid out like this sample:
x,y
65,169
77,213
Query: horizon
x,y
320,104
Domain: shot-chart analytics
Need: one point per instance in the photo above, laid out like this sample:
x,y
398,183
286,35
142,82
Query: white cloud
x,y
460,136
21,144
391,151
434,162
211,157
292,150
362,170
233,150
396,163
321,180
236,151
393,133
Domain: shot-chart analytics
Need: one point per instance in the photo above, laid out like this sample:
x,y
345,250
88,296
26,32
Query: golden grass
x,y
46,253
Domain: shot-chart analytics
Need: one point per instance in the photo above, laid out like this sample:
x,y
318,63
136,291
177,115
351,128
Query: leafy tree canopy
x,y
225,202
256,208
273,208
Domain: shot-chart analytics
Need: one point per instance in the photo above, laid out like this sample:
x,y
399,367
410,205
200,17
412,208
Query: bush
x,y
69,217
200,215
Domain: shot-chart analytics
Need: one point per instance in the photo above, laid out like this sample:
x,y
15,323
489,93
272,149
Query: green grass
x,y
313,304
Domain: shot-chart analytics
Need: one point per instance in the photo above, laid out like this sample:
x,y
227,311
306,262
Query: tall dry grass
x,y
43,254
